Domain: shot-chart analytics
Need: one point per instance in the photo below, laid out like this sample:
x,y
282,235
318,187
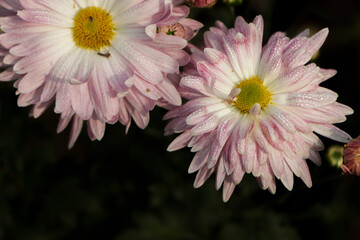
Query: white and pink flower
x,y
255,109
100,61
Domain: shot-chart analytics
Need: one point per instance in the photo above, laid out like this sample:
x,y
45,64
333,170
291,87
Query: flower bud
x,y
334,155
233,2
175,30
351,164
201,3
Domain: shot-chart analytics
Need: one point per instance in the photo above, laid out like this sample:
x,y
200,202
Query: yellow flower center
x,y
93,28
252,91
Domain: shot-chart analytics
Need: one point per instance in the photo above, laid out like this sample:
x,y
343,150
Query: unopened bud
x,y
201,3
175,30
335,155
351,164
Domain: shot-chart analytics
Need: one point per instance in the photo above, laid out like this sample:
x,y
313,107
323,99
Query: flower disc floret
x,y
252,91
93,28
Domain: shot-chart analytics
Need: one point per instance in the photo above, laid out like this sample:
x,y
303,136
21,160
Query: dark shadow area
x,y
128,187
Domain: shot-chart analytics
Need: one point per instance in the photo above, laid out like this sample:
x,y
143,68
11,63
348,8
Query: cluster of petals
x,y
351,157
38,49
270,142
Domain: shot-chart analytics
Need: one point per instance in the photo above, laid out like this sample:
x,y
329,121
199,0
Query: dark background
x,y
129,187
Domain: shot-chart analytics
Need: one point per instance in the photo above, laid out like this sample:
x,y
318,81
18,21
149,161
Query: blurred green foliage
x,y
128,187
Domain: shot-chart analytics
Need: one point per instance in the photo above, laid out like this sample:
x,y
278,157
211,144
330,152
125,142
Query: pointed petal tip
x,y
196,185
228,189
288,186
71,144
74,81
150,31
321,35
272,188
307,181
255,110
170,148
259,18
225,200
121,94
127,127
191,169
325,30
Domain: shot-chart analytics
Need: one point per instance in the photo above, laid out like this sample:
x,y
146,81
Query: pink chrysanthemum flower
x,y
100,61
255,109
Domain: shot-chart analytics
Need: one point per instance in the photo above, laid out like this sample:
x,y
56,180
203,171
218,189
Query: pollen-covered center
x,y
93,28
252,91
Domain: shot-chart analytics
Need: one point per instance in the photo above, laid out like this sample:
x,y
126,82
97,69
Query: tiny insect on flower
x,y
106,54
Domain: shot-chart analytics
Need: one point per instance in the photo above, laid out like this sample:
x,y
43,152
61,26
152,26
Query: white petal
x,y
332,132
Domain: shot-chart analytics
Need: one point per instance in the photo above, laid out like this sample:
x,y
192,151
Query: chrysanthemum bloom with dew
x,y
101,61
255,109
351,157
